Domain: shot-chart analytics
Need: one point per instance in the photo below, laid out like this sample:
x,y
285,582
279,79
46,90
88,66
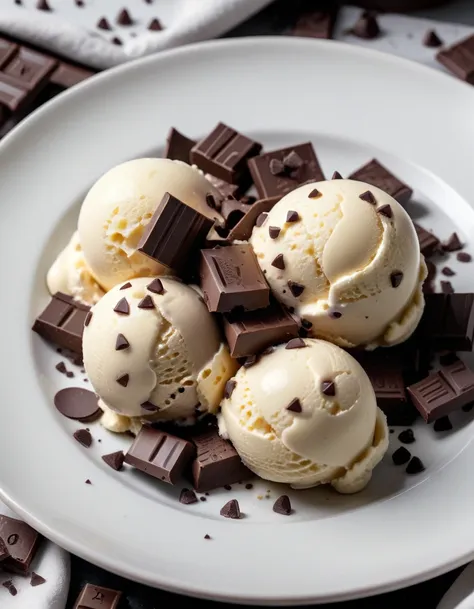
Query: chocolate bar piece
x,y
224,154
317,24
243,229
96,597
251,333
443,392
21,542
448,322
62,322
278,172
160,454
429,244
178,146
459,59
231,278
376,174
227,190
217,462
174,232
67,75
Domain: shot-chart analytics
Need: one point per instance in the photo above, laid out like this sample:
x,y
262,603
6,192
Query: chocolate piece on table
x,y
464,257
446,287
429,244
160,454
21,541
459,59
448,321
442,424
250,333
217,463
224,154
317,24
178,146
36,580
233,211
443,392
282,505
231,510
155,25
276,186
415,466
432,40
376,174
366,27
84,437
114,460
452,244
406,436
187,497
174,232
401,456
10,587
62,322
96,597
243,229
231,278
78,404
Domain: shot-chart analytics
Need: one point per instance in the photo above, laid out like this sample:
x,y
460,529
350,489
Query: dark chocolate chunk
x,y
78,404
295,406
160,454
123,380
385,210
231,278
178,146
282,505
296,288
376,174
124,18
448,272
274,231
117,41
36,580
229,388
155,25
368,197
316,24
249,486
443,424
61,367
279,262
314,194
121,343
97,597
83,436
252,332
122,307
43,5
103,24
333,314
174,232
336,176
401,456
114,460
206,536
459,59
446,287
328,388
276,186
29,70
217,462
233,211
126,286
292,216
62,322
428,242
231,510
187,497
366,27
415,466
243,229
432,40
21,541
396,278
406,436
295,343
146,303
10,587
464,257
224,153
453,244
156,287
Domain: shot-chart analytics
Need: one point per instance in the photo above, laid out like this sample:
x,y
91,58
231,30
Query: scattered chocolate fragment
x,y
428,242
97,597
464,257
146,303
279,262
292,216
385,210
22,542
443,424
114,460
296,288
83,437
88,319
229,388
124,17
376,174
156,286
282,505
231,510
79,3
336,176
459,59
155,25
249,486
178,146
396,278
233,211
295,343
368,197
36,580
42,5
453,244
61,367
432,40
187,497
122,307
447,271
314,194
123,380
316,24
78,404
406,436
103,24
447,287
121,343
366,27
207,536
401,456
117,41
415,466
243,229
227,190
328,388
88,481
174,232
160,454
295,406
10,587
69,374
274,232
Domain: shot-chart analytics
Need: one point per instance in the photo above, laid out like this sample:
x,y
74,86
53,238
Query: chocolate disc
x,y
78,404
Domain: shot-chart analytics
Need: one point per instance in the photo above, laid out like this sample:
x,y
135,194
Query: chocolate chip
x,y
295,406
207,536
88,481
202,499
155,25
146,303
123,380
368,197
446,287
276,167
432,40
121,343
401,456
116,40
83,437
10,587
396,278
295,343
336,176
442,424
366,27
307,325
447,271
43,5
114,460
296,288
293,161
231,510
187,497
151,407
292,216
279,262
261,219
282,505
406,436
124,18
210,200
103,24
126,286
156,286
315,194
229,388
464,257
122,307
61,367
249,486
333,314
36,580
70,374
453,244
274,231
385,210
415,466
88,318
328,388
79,3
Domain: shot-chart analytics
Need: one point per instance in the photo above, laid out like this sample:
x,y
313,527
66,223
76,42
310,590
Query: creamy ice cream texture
x,y
355,273
338,437
165,352
119,206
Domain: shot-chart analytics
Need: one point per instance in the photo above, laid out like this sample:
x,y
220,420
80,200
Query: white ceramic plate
x,y
352,104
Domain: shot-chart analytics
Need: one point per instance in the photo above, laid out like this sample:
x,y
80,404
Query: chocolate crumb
x,y
406,436
229,388
121,343
415,466
295,343
114,460
446,287
274,231
336,176
366,27
10,587
207,536
123,380
396,278
464,257
401,456
122,307
83,437
432,40
231,510
36,580
70,374
43,5
88,481
126,286
315,194
443,424
292,216
187,497
452,244
202,499
279,262
447,271
368,197
328,388
282,505
295,406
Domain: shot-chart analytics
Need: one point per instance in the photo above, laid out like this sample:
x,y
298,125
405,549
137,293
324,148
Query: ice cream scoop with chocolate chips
x,y
345,256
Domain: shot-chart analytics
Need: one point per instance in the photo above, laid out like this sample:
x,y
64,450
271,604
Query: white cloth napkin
x,y
72,31
52,564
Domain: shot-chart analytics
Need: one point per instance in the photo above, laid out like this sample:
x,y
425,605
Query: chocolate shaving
x,y
83,437
146,303
123,380
295,406
114,460
274,231
187,497
122,307
279,262
151,407
121,343
328,388
368,197
396,278
282,505
295,343
231,510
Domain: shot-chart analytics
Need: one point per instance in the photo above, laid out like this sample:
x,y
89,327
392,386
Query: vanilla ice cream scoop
x,y
119,206
152,349
346,257
306,416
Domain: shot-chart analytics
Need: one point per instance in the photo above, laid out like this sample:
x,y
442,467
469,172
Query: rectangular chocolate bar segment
x,y
224,154
278,172
178,146
62,322
448,322
231,278
428,242
30,69
376,174
174,232
21,541
160,454
97,597
251,333
459,59
217,462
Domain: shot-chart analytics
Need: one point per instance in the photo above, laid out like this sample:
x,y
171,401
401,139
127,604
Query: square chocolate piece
x,y
178,146
376,174
459,59
224,154
160,454
30,69
232,278
21,542
97,597
279,172
429,244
